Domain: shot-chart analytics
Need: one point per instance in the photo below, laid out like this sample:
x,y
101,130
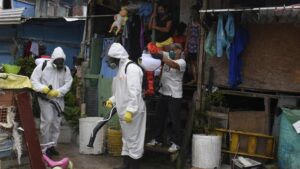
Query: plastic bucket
x,y
114,142
86,126
206,151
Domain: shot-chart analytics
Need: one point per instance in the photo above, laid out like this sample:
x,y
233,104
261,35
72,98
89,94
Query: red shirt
x,y
179,39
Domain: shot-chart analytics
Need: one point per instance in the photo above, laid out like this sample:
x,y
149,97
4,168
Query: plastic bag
x,y
289,140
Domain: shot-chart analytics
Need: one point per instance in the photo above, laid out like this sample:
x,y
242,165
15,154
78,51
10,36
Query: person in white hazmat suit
x,y
54,80
127,96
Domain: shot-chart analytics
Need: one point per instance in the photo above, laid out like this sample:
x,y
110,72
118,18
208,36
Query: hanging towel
x,y
235,62
210,42
34,48
221,39
230,31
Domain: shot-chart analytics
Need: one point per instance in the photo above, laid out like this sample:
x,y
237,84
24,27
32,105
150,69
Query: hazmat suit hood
x,y
58,53
58,58
117,51
117,55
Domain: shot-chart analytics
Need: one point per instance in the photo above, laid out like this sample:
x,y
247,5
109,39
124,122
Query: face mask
x,y
172,54
59,64
113,63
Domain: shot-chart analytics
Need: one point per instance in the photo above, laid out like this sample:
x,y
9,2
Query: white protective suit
x,y
61,81
127,95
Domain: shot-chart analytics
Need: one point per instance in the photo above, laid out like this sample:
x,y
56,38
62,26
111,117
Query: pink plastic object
x,y
62,163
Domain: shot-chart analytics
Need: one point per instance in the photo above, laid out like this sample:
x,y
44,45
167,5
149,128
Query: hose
x,y
100,124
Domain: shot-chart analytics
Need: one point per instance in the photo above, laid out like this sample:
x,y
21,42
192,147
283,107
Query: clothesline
x,y
292,7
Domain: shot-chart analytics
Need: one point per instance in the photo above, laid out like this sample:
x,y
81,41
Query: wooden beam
x,y
218,115
255,94
201,59
267,114
90,22
31,138
38,8
197,99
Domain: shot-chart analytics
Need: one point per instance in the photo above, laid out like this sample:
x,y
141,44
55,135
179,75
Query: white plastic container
x,y
206,151
86,126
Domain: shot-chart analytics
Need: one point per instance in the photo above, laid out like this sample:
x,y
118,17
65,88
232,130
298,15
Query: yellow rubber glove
x,y
108,104
128,117
53,93
45,90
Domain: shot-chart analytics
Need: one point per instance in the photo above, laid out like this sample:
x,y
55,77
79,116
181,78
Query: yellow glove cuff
x,y
128,117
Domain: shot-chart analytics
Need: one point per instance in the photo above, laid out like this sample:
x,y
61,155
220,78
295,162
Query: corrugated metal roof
x,y
11,16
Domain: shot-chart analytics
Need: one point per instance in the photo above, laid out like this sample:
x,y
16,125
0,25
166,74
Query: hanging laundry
x,y
142,39
230,31
221,37
210,42
34,49
145,11
235,62
125,35
132,44
27,47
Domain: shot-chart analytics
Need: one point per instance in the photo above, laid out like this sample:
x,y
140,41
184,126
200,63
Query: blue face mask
x,y
172,54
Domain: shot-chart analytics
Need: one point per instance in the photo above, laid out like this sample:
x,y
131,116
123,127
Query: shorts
x,y
167,42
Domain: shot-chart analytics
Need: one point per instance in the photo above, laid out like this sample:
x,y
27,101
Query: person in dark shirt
x,y
161,23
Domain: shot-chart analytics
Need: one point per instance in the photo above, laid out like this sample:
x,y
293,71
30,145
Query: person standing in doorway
x,y
161,22
192,47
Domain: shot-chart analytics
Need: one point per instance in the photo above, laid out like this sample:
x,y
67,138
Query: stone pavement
x,y
149,161
105,161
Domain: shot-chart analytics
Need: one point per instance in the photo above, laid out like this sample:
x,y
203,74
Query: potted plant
x,y
71,111
205,141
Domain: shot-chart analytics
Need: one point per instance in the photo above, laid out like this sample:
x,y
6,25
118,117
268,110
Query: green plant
x,y
72,109
27,65
201,124
214,99
72,115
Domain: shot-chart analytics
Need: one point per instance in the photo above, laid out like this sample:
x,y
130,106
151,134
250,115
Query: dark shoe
x,y
134,164
125,164
53,151
49,153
